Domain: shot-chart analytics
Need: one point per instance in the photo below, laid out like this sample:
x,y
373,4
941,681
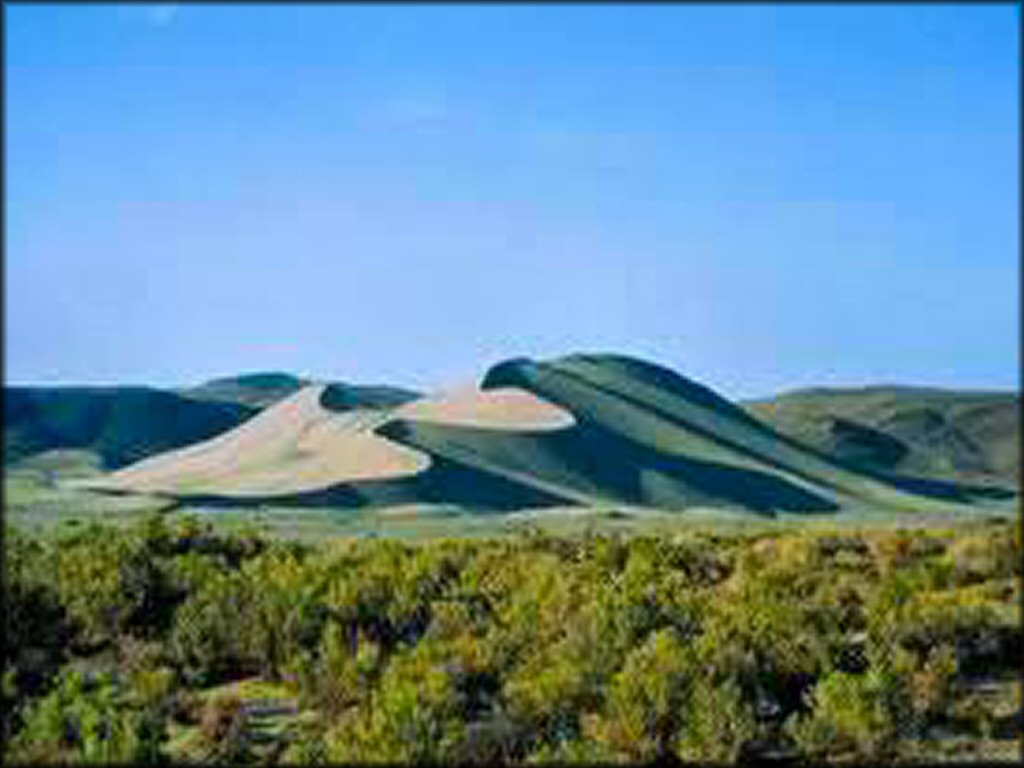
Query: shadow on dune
x,y
643,435
624,378
944,489
443,482
591,461
340,398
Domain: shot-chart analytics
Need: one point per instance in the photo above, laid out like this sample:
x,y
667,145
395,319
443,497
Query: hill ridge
x,y
638,434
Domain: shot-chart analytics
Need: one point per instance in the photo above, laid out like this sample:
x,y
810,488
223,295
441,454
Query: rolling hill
x,y
943,434
260,390
113,426
119,425
578,430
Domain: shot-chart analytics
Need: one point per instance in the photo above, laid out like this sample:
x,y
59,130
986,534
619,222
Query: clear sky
x,y
761,197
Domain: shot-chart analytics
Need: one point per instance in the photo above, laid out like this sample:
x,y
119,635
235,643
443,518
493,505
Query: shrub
x,y
417,715
934,684
717,722
212,638
89,722
979,558
531,648
37,632
848,718
646,699
222,729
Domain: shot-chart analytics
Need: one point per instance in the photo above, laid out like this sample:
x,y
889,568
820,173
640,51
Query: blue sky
x,y
761,197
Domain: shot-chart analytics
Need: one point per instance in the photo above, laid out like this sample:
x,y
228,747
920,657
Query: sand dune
x,y
505,408
583,429
294,446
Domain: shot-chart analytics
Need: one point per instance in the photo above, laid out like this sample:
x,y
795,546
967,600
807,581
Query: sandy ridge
x,y
294,446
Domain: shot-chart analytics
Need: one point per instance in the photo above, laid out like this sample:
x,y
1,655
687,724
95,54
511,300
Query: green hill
x,y
260,390
257,390
116,426
943,434
639,434
119,424
346,397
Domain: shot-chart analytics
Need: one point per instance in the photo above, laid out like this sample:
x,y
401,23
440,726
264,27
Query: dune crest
x,y
505,408
582,429
295,446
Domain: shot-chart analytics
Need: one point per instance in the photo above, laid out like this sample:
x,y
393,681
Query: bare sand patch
x,y
292,447
505,408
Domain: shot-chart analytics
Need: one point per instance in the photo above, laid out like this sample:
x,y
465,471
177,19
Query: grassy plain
x,y
37,501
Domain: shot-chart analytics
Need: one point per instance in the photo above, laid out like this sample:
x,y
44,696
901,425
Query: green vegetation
x,y
644,436
170,640
942,434
639,435
257,390
118,425
110,427
261,390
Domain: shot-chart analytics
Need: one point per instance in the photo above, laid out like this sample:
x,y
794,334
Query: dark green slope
x,y
120,424
345,397
261,390
588,464
700,412
256,390
444,482
643,436
488,470
647,436
932,433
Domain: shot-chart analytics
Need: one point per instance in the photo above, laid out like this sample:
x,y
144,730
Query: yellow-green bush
x,y
520,649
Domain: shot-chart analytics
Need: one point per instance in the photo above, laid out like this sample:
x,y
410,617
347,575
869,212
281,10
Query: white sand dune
x,y
505,408
292,447
299,446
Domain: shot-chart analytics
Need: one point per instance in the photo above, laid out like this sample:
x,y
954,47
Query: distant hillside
x,y
949,434
260,390
346,397
257,390
577,430
120,424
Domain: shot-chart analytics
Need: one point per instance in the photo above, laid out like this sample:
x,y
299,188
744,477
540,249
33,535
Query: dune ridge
x,y
579,430
294,446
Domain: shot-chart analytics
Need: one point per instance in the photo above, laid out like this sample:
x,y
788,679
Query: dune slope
x,y
578,430
293,447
